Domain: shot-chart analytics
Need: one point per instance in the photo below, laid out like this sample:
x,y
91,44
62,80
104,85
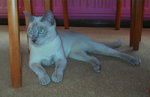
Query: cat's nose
x,y
33,40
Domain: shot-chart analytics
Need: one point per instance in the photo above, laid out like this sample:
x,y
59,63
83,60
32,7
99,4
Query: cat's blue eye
x,y
30,32
42,31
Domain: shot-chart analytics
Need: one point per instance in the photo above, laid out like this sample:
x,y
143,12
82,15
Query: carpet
x,y
116,79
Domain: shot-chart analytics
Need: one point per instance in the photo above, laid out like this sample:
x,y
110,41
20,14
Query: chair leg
x,y
65,14
118,14
28,9
142,18
137,13
48,5
149,91
137,27
132,19
14,43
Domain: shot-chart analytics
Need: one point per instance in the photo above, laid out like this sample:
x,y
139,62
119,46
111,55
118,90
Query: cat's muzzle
x,y
34,40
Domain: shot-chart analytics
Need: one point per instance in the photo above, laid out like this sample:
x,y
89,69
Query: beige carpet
x,y
117,78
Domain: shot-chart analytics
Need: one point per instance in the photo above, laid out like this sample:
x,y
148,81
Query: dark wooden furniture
x,y
118,14
136,25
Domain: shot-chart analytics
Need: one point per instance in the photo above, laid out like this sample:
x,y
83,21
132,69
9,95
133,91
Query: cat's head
x,y
40,28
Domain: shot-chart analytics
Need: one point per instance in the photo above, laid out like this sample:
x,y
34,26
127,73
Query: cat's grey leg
x,y
41,73
60,65
82,56
114,44
101,49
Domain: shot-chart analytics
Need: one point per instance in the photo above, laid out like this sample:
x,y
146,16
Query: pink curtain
x,y
79,9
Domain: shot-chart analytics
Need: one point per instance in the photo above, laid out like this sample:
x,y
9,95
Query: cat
x,y
48,46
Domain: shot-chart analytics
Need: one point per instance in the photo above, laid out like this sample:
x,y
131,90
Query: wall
x,y
79,9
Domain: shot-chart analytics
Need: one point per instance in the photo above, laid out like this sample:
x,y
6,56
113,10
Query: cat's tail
x,y
116,44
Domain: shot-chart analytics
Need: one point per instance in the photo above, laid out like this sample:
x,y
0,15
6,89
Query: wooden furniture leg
x,y
118,14
28,9
14,43
131,23
142,17
149,91
65,14
48,5
136,22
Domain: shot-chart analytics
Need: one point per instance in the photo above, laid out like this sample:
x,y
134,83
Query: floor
x,y
116,79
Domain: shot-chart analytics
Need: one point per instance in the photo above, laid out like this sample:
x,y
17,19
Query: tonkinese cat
x,y
48,46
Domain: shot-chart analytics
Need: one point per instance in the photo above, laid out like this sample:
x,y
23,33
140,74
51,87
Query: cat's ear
x,y
30,18
48,17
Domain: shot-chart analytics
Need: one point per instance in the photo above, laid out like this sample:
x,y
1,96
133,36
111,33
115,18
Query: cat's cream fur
x,y
53,47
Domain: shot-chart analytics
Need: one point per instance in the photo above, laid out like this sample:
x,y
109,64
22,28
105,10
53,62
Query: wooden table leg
x,y
136,22
65,14
118,14
48,5
14,43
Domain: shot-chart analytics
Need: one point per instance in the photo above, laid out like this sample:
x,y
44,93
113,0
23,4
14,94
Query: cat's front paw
x,y
57,77
44,80
135,61
97,68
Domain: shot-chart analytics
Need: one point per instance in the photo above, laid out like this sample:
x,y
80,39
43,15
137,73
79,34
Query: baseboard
x,y
85,23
